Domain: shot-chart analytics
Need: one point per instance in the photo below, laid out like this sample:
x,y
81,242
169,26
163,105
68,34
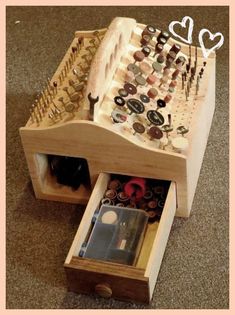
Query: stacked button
x,y
146,50
176,48
149,30
138,56
158,49
145,40
151,79
171,54
163,34
167,98
175,74
162,41
152,93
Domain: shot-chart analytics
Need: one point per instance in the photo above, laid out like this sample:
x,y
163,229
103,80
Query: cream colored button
x,y
180,143
109,217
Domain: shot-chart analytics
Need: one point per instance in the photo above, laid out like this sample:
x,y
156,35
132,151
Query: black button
x,y
119,101
155,117
144,98
135,106
161,103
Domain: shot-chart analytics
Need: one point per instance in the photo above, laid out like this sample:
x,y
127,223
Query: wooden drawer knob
x,y
103,290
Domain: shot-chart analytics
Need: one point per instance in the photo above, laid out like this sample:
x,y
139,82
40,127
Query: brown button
x,y
114,184
145,40
167,98
151,79
111,194
181,60
149,30
155,133
138,56
158,49
130,88
171,54
166,71
175,74
138,127
152,93
160,59
176,48
173,83
146,50
162,41
145,67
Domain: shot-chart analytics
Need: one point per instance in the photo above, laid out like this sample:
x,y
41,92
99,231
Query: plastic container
x,y
117,235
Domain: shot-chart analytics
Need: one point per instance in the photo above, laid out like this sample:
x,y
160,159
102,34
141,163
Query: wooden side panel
x,y
161,238
199,138
126,282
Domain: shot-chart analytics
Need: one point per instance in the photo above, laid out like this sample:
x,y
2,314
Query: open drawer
x,y
111,279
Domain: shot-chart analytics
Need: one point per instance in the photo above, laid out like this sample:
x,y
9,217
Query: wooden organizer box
x,y
85,129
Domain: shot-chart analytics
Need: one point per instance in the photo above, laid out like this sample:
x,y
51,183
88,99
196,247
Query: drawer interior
x,y
150,239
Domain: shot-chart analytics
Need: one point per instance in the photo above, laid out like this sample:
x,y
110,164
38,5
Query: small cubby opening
x,y
64,176
154,190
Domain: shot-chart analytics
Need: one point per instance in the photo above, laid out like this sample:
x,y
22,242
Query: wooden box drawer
x,y
108,279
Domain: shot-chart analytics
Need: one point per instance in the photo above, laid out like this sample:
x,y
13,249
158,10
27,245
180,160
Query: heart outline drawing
x,y
183,24
207,52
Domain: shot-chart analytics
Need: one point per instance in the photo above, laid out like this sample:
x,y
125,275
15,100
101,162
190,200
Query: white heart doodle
x,y
207,52
183,24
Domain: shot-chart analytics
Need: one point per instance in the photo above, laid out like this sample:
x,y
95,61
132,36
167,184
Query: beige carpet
x,y
194,273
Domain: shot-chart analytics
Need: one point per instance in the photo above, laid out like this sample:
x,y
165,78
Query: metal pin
x,y
31,114
55,86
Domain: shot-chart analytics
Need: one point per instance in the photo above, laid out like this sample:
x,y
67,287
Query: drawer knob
x,y
103,290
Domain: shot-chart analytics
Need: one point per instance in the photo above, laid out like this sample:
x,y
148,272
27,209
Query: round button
x,y
156,66
138,127
133,68
140,80
119,101
155,133
129,76
164,34
69,107
149,30
130,88
155,117
109,217
135,106
144,98
104,290
138,55
160,59
161,40
145,67
118,117
176,48
161,103
122,92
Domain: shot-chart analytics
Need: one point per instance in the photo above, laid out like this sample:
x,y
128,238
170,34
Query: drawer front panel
x,y
107,280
